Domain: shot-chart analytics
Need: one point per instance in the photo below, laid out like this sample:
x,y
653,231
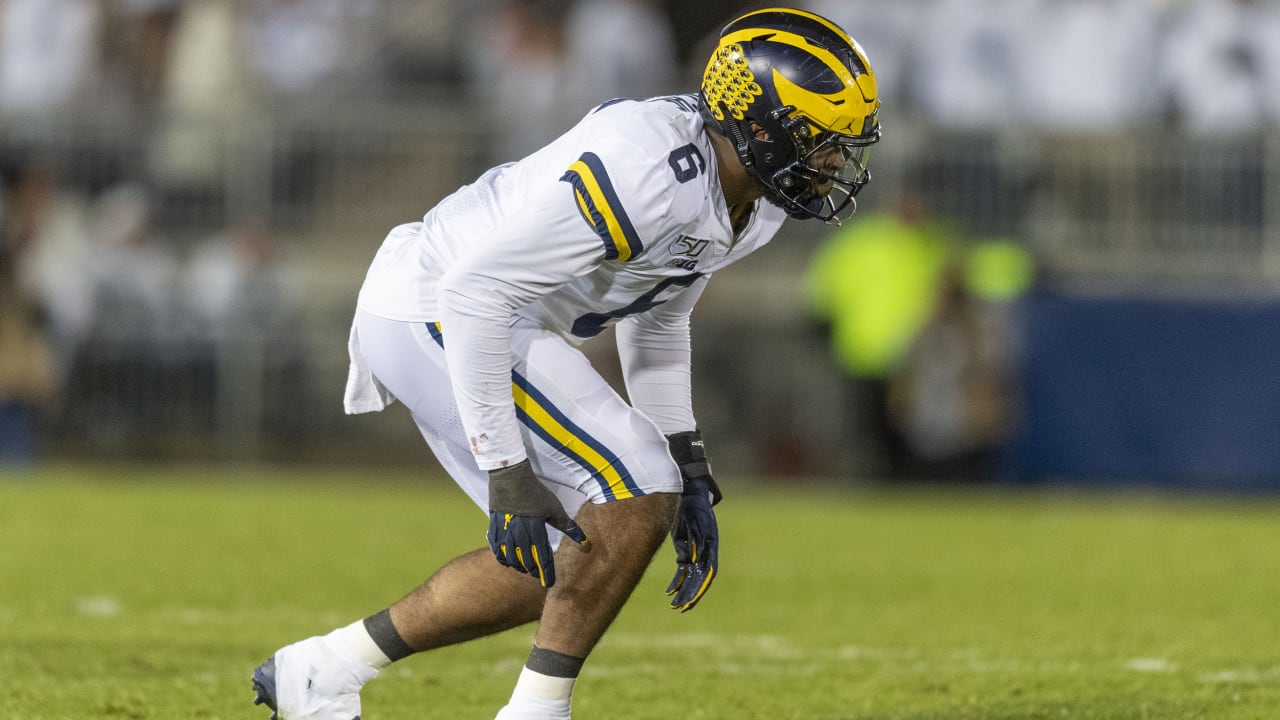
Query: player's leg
x,y
469,597
473,595
587,437
587,443
591,590
624,537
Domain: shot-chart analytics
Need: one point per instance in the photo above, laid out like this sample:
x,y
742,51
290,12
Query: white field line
x,y
99,606
1151,665
764,654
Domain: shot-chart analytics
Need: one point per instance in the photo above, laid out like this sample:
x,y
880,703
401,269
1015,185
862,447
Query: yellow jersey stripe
x,y
562,437
600,206
541,416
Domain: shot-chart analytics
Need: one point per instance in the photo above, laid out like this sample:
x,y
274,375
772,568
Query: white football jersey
x,y
622,218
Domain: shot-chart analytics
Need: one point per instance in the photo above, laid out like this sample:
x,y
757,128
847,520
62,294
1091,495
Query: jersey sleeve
x,y
627,184
537,249
655,351
601,208
598,209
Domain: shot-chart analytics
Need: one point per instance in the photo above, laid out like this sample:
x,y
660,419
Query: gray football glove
x,y
696,535
520,509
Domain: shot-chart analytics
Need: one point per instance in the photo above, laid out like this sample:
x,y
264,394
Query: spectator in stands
x,y
239,289
964,76
1230,49
28,382
244,301
961,83
1088,66
45,225
125,370
422,42
618,48
1220,67
1087,88
135,274
142,40
890,35
205,95
50,52
301,56
954,397
518,69
300,48
872,286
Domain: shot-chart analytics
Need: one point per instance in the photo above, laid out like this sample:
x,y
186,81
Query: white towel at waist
x,y
364,393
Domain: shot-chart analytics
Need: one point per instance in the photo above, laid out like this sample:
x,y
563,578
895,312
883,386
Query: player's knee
x,y
659,515
646,518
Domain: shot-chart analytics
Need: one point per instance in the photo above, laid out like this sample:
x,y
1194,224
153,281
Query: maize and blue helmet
x,y
809,86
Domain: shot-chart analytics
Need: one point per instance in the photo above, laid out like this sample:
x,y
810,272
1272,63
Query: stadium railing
x,y
1147,213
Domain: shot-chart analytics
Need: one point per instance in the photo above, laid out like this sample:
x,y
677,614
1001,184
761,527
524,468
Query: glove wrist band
x,y
687,447
689,452
515,489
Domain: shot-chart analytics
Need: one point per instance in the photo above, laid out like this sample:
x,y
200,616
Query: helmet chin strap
x,y
740,143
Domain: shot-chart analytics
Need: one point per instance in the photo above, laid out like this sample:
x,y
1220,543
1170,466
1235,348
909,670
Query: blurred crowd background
x,y
1067,266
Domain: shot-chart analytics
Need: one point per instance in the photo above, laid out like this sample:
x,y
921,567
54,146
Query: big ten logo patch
x,y
686,251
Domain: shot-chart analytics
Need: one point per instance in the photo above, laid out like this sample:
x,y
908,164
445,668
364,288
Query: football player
x,y
473,316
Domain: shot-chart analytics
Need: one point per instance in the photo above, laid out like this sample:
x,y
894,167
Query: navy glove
x,y
520,509
695,534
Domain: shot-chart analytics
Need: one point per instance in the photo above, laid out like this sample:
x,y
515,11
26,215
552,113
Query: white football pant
x,y
584,441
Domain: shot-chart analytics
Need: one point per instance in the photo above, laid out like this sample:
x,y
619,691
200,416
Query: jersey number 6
x,y
687,162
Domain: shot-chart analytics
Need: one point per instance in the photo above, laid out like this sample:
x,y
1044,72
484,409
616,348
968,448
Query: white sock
x,y
355,641
534,684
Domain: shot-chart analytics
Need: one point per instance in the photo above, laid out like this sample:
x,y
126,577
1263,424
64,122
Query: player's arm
x,y
535,251
655,351
563,231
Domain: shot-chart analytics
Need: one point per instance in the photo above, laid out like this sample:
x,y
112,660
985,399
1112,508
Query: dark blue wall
x,y
1166,392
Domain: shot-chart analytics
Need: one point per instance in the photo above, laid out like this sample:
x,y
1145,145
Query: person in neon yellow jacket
x,y
875,284
874,281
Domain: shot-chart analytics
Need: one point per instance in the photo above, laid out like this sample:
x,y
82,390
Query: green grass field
x,y
152,593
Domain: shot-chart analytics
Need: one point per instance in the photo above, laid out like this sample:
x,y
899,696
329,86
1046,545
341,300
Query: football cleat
x,y
311,680
264,686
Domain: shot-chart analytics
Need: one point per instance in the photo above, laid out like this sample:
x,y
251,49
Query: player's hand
x,y
696,535
520,509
